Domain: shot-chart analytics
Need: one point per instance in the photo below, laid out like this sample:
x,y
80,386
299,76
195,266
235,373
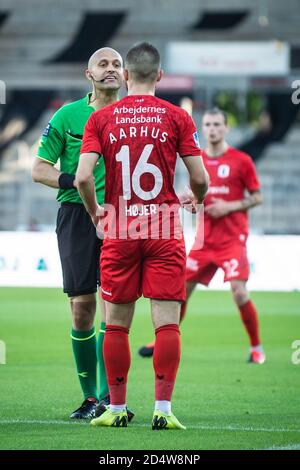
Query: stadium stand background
x,y
43,50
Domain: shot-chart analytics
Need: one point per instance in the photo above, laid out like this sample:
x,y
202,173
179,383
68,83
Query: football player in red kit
x,y
139,138
232,173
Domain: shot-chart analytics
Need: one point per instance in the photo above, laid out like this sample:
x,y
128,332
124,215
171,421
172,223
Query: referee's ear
x,y
88,75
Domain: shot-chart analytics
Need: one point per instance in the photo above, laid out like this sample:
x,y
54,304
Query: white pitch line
x,y
202,427
286,447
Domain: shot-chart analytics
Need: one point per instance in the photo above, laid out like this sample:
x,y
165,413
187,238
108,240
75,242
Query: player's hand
x,y
218,208
188,200
96,219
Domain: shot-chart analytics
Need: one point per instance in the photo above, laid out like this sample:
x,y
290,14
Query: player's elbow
x,y
85,169
258,198
82,177
201,179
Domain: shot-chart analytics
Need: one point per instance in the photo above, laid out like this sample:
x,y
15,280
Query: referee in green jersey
x,y
79,247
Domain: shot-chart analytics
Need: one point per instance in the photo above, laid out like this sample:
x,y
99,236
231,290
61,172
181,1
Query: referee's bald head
x,y
103,52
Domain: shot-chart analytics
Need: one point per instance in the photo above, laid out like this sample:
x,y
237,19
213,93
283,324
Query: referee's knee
x,y
83,311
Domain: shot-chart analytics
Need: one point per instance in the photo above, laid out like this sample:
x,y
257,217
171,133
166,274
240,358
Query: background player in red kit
x,y
139,138
225,226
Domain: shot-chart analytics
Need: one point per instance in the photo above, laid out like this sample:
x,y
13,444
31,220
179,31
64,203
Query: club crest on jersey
x,y
47,130
196,139
223,171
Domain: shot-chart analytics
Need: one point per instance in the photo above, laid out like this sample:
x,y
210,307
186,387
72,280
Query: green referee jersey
x,y
62,140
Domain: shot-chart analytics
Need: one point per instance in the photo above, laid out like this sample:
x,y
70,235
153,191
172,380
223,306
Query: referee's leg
x,y
79,251
84,344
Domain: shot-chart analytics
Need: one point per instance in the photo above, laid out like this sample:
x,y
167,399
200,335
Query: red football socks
x,y
116,354
250,320
166,360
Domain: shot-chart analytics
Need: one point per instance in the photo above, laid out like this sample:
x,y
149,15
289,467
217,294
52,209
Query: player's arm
x,y
85,183
199,179
89,156
252,186
251,200
189,151
220,208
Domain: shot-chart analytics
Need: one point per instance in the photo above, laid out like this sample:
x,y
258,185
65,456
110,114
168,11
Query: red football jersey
x,y
230,175
139,138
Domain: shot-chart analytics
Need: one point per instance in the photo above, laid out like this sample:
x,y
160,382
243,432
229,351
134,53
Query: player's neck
x,y
216,150
99,99
141,89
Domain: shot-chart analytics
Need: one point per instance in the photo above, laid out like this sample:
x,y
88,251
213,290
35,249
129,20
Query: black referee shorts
x,y
79,249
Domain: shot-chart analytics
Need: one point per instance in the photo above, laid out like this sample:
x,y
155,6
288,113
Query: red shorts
x,y
154,268
203,264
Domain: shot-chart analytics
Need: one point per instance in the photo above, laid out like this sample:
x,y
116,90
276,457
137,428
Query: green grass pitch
x,y
224,402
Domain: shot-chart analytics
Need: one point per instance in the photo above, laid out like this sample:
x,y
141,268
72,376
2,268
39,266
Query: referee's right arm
x,y
50,150
44,172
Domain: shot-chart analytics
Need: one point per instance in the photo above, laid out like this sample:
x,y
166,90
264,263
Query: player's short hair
x,y
143,62
216,110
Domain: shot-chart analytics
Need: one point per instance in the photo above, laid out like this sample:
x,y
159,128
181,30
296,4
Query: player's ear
x,y
126,75
160,75
88,74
